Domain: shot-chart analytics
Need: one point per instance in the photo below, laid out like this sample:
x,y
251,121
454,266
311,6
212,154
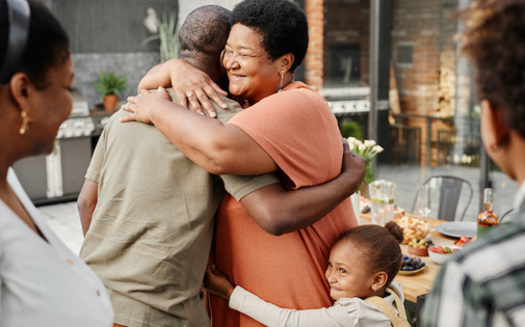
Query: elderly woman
x,y
42,282
483,285
288,128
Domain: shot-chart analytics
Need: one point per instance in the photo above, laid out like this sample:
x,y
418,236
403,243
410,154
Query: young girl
x,y
362,265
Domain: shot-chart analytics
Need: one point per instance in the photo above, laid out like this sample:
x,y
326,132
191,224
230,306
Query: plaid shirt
x,y
484,284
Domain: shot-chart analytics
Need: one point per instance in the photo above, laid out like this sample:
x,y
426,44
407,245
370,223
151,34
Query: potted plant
x,y
109,86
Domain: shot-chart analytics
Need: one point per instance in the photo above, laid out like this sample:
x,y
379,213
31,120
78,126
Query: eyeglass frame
x,y
240,57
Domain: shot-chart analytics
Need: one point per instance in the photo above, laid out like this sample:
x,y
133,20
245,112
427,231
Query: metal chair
x,y
449,194
505,215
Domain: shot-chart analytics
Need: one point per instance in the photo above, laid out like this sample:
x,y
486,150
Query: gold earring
x,y
23,128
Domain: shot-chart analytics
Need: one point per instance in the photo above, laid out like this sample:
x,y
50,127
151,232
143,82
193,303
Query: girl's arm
x,y
272,315
218,148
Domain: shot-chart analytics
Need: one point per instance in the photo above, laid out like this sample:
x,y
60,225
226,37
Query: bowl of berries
x,y
441,253
411,265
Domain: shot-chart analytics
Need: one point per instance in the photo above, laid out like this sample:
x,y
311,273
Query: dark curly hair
x,y
379,245
494,39
282,24
47,45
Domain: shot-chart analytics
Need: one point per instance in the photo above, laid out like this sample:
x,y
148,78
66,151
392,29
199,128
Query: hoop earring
x,y
23,129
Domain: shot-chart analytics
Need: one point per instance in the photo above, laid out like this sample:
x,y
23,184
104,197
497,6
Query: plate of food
x,y
458,229
410,272
411,265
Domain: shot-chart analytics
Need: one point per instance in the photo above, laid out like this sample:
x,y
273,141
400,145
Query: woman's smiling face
x,y
253,75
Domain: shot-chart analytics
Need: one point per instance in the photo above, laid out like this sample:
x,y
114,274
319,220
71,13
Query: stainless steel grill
x,y
59,176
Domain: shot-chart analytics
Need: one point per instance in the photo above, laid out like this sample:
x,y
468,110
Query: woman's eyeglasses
x,y
228,55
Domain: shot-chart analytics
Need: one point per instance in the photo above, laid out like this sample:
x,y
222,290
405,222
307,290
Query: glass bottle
x,y
486,218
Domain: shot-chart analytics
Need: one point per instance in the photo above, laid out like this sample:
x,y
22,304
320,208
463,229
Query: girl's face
x,y
347,272
253,76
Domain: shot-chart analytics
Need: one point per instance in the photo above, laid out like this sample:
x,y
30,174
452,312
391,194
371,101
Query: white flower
x,y
151,21
353,140
370,143
378,149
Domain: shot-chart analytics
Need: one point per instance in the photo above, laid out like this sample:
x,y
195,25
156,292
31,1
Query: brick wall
x,y
428,86
428,25
314,57
347,22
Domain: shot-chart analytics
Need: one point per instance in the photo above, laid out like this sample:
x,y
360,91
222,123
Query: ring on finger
x,y
189,95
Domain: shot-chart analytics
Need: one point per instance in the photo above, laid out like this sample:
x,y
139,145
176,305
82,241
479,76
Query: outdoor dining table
x,y
416,286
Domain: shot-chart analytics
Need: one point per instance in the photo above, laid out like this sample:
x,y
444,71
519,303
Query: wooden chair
x,y
449,191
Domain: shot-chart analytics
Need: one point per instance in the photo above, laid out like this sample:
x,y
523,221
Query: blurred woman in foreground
x,y
42,282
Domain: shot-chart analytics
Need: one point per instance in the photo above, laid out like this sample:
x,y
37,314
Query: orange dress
x,y
298,130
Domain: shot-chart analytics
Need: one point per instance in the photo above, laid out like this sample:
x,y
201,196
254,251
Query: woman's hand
x,y
217,283
143,105
189,83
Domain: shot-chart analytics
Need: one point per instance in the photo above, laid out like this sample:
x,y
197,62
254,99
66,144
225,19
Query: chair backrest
x,y
449,194
505,215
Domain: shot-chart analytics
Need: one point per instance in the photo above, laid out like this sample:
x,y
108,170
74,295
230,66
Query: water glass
x,y
423,200
382,194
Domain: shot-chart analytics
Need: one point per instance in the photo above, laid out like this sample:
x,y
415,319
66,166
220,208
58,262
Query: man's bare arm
x,y
279,211
87,201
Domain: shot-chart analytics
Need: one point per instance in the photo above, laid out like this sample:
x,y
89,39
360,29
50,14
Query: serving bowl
x,y
413,228
434,252
421,252
419,247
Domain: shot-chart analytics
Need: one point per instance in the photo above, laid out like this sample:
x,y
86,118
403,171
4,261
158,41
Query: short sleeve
x,y
95,165
240,186
300,133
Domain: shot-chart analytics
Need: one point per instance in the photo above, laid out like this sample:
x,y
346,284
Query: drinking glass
x,y
382,197
423,201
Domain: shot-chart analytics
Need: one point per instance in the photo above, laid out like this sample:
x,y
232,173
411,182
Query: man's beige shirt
x,y
152,228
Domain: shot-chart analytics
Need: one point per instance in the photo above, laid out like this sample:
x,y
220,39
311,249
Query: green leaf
x,y
108,83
